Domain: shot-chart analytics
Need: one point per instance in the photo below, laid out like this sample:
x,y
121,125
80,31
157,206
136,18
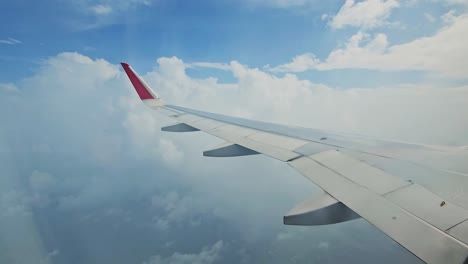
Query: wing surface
x,y
361,176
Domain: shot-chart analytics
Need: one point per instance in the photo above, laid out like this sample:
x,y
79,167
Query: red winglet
x,y
141,88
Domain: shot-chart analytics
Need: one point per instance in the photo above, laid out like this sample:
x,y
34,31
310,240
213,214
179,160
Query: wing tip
x,y
142,89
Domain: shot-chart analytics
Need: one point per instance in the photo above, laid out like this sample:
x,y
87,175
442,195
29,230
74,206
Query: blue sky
x,y
86,175
254,33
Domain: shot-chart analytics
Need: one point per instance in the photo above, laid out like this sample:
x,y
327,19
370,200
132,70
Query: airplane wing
x,y
360,176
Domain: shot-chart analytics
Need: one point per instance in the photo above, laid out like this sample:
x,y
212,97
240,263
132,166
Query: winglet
x,y
143,90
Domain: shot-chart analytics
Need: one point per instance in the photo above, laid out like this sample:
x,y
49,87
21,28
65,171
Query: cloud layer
x,y
95,161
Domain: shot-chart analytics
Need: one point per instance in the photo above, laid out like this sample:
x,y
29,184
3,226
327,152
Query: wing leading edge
x,y
431,227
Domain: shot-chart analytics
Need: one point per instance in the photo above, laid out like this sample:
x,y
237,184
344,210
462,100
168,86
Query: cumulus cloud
x,y
443,53
366,14
207,255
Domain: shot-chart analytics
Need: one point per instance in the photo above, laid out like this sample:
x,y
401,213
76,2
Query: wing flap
x,y
411,197
321,210
422,239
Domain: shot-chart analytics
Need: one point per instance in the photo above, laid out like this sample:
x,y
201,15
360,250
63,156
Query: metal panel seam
x,y
399,188
448,229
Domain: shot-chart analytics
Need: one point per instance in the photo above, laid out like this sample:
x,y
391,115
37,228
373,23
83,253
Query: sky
x,y
86,175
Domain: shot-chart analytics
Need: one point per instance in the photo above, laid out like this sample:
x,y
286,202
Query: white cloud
x,y
443,53
299,63
449,17
213,65
10,41
366,14
101,9
207,255
90,14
